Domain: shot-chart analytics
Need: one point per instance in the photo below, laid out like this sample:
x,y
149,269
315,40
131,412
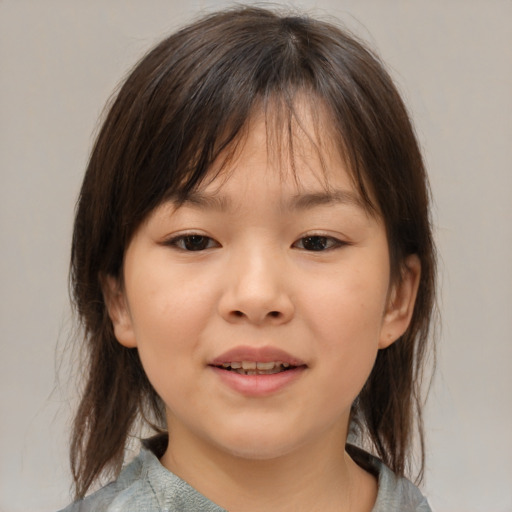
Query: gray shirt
x,y
145,485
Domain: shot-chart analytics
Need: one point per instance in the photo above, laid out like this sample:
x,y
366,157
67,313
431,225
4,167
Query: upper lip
x,y
258,354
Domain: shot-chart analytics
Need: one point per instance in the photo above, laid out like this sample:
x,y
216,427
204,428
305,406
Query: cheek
x,y
349,305
346,319
169,312
169,307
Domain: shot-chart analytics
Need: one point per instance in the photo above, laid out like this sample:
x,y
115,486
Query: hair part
x,y
184,104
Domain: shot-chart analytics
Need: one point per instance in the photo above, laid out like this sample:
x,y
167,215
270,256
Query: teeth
x,y
266,366
256,367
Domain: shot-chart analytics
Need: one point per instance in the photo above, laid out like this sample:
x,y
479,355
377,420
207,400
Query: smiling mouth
x,y
256,367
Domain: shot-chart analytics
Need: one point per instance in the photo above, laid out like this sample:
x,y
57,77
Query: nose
x,y
256,290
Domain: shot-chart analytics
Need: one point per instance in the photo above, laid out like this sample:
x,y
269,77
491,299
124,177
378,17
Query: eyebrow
x,y
207,201
312,199
301,201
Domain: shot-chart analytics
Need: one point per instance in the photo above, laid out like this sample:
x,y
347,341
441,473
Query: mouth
x,y
258,371
246,360
256,367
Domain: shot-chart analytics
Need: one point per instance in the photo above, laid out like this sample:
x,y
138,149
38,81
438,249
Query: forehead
x,y
292,150
293,145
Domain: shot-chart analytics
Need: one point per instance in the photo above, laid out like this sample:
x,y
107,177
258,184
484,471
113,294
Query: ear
x,y
401,302
118,311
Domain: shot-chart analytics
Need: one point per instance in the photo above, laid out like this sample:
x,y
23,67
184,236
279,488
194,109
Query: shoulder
x,y
395,494
128,488
145,485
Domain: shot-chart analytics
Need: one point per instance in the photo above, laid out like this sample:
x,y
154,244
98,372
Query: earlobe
x,y
401,302
117,307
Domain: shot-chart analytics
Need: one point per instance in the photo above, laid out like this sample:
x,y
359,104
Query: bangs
x,y
198,97
298,127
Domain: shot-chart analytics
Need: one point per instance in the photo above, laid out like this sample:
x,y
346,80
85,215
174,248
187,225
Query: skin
x,y
257,282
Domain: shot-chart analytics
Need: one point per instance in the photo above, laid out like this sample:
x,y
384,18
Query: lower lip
x,y
258,385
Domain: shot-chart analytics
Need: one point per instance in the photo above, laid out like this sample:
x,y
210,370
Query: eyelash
x,y
333,243
205,242
180,242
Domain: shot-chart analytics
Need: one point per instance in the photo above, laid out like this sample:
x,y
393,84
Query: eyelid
x,y
338,242
172,240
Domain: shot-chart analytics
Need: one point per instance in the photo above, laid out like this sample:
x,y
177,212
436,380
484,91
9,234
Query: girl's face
x,y
259,305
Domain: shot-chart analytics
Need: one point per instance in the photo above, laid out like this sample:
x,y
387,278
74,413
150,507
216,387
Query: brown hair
x,y
186,101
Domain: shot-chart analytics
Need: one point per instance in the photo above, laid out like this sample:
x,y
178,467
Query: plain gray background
x,y
59,62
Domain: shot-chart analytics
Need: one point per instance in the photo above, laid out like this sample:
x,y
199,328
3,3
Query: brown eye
x,y
317,243
193,242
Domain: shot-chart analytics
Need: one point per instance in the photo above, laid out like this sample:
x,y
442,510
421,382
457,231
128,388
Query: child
x,y
254,270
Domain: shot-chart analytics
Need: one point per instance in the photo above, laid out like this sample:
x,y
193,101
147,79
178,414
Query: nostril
x,y
238,313
274,314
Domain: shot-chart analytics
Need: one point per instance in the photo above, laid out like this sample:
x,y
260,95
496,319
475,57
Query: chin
x,y
259,443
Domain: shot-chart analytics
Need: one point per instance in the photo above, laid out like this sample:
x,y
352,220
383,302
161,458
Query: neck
x,y
318,476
